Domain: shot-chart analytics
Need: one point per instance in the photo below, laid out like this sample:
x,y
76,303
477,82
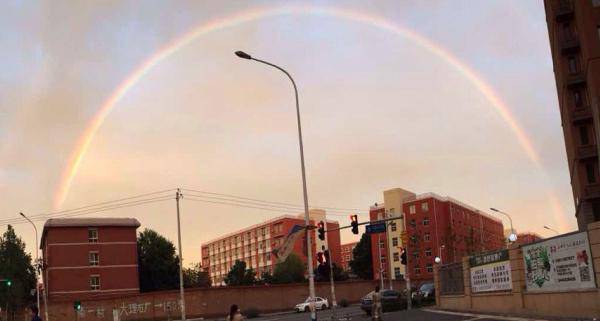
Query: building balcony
x,y
576,80
565,11
581,114
587,151
569,45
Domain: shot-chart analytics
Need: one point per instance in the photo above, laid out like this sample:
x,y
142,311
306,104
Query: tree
x,y
239,275
158,263
322,273
361,264
195,277
289,271
15,265
266,278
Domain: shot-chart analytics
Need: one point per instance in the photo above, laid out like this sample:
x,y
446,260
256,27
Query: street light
x,y
37,260
551,229
512,237
311,278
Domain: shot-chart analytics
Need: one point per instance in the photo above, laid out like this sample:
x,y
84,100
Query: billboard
x,y
557,264
490,272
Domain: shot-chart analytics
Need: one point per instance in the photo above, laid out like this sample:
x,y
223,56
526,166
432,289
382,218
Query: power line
x,y
272,202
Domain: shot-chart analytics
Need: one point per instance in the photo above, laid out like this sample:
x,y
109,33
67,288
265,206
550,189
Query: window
x,y
577,98
393,225
424,206
417,270
95,282
583,135
426,237
347,257
382,259
268,256
591,172
416,255
573,65
395,241
412,209
94,258
426,221
93,235
428,252
382,244
429,268
397,272
412,223
396,257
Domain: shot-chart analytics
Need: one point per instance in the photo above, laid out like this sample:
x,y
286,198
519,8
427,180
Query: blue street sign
x,y
375,228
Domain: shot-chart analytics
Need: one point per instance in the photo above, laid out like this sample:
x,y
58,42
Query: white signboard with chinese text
x,y
491,277
562,263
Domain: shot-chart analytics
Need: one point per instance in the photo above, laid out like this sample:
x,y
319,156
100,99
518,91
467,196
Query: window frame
x,y
95,287
97,256
93,238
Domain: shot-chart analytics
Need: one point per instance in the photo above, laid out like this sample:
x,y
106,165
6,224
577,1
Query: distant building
x,y
90,257
254,245
574,33
527,238
347,255
436,226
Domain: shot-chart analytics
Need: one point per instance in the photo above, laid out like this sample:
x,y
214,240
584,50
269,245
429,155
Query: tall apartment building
x,y
347,255
254,245
574,32
90,257
435,226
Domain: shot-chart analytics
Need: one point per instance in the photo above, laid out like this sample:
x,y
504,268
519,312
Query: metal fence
x,y
451,279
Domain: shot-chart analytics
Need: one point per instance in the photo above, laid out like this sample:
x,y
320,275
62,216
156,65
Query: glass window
x,y
577,98
382,259
426,221
393,225
573,65
382,244
94,258
93,235
428,252
396,257
95,282
429,268
412,209
583,134
417,270
426,237
395,241
397,272
424,206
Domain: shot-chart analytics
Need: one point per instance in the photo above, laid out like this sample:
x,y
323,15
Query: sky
x,y
378,110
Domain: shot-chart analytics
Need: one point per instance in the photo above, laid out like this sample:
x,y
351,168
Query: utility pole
x,y
331,279
408,288
181,293
380,263
37,261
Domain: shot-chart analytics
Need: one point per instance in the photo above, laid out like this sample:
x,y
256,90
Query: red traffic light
x,y
354,223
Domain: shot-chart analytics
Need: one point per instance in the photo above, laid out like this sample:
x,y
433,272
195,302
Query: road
x,y
356,314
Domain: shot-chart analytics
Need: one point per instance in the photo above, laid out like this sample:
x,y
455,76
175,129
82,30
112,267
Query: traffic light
x,y
403,257
321,229
77,305
8,282
320,257
354,223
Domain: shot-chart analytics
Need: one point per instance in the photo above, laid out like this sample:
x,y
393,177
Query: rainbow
x,y
478,82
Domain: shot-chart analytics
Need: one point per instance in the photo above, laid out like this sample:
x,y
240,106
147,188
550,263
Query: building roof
x,y
88,222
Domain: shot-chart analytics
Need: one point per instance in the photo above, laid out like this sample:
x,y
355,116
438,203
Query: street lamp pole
x,y
37,259
512,237
551,229
311,278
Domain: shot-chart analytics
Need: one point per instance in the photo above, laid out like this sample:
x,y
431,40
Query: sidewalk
x,y
507,317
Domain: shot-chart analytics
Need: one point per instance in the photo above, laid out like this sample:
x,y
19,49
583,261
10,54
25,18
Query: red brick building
x,y
435,226
90,257
254,245
347,255
527,238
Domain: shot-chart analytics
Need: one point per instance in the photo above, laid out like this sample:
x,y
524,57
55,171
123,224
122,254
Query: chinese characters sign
x,y
487,258
491,277
557,264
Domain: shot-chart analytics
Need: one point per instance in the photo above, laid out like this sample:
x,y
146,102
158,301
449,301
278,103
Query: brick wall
x,y
207,302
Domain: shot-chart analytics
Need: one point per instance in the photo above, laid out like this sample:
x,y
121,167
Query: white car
x,y
320,304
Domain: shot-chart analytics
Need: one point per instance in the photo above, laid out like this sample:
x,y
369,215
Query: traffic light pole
x,y
181,285
408,288
331,280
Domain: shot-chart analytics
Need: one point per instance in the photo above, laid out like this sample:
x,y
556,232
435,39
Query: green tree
x,y
15,265
289,271
266,278
239,275
158,263
361,264
195,277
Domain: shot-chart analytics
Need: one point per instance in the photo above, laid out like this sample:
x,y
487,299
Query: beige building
x,y
393,200
574,32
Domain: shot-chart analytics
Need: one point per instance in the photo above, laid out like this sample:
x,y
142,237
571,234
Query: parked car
x,y
390,300
427,291
320,304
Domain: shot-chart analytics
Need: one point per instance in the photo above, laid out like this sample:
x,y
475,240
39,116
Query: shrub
x,y
251,313
344,303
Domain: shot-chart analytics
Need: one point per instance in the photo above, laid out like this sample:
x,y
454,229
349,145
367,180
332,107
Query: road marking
x,y
482,316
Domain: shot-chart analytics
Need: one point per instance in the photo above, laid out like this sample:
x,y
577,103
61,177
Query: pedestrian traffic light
x,y
320,257
403,257
321,230
77,305
354,223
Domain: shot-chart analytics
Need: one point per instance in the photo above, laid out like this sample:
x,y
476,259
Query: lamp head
x,y
21,213
512,237
242,54
438,260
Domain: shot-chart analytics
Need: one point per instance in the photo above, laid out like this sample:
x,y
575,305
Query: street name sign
x,y
375,228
